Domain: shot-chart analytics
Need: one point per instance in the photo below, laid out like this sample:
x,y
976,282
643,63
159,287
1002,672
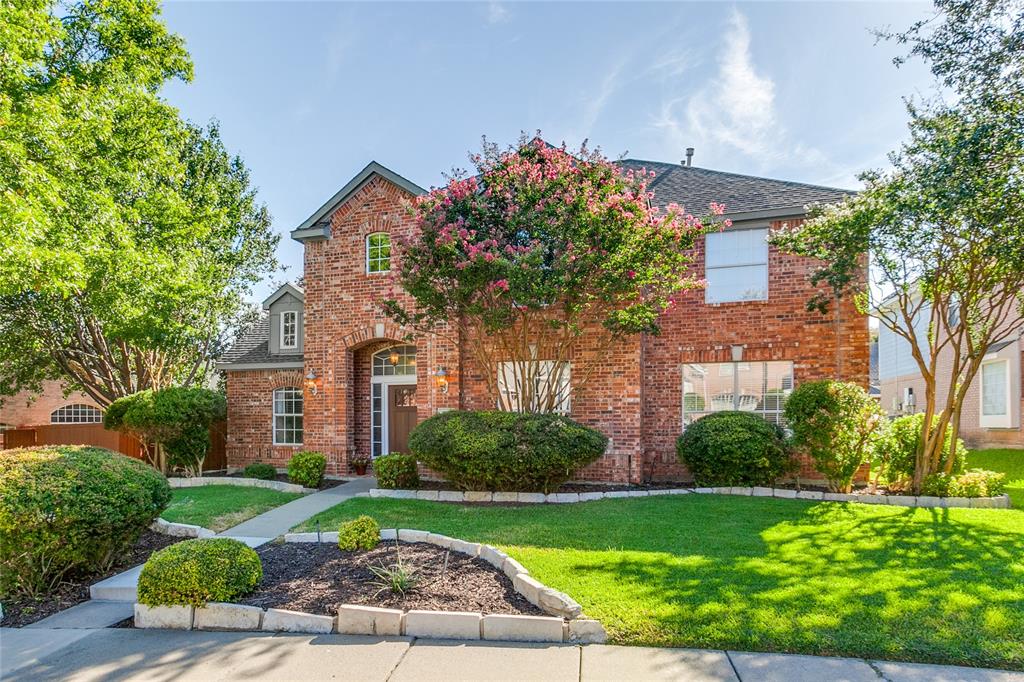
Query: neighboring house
x,y
991,414
50,406
327,371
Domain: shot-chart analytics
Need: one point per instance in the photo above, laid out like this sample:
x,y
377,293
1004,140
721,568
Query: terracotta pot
x,y
360,469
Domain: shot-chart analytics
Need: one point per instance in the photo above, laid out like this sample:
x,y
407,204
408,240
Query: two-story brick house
x,y
327,371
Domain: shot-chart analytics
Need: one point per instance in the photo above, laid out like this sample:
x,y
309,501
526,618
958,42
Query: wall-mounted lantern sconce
x,y
441,377
312,382
737,353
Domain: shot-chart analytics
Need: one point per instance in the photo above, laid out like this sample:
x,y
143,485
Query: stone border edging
x,y
180,530
564,625
997,502
199,481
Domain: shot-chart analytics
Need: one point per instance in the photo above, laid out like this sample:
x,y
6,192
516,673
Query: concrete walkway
x,y
254,532
119,654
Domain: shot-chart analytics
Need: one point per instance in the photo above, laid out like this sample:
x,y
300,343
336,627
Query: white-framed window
x,y
77,413
736,266
378,252
395,361
547,375
995,394
289,329
288,416
757,387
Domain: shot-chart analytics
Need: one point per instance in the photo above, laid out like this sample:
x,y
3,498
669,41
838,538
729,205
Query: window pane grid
x,y
404,364
378,252
76,414
289,329
288,416
757,387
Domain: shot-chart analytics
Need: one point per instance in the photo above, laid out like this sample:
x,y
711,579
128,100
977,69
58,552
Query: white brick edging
x,y
181,530
199,481
997,502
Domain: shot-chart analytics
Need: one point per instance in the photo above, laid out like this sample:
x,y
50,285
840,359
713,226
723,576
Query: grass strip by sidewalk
x,y
763,574
219,507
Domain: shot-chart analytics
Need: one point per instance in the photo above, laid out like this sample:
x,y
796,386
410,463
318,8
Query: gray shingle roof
x,y
695,188
252,347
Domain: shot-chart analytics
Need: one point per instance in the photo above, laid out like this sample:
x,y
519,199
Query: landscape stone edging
x,y
180,530
199,481
997,502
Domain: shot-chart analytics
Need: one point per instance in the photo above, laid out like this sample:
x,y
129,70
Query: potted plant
x,y
359,463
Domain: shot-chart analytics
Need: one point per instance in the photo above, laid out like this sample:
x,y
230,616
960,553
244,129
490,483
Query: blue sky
x,y
309,93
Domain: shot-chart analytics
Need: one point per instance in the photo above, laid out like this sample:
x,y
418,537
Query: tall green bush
x,y
70,509
837,424
894,455
734,448
505,450
172,423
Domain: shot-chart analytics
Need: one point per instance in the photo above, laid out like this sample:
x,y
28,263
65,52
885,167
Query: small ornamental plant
x,y
196,572
360,533
307,469
260,470
397,471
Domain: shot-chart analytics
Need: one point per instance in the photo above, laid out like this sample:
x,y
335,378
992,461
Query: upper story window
x,y
288,416
76,414
995,394
378,252
289,329
736,266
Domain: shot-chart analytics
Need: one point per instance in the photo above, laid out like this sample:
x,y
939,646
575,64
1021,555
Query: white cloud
x,y
497,13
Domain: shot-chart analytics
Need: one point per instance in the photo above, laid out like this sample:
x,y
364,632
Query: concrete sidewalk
x,y
120,654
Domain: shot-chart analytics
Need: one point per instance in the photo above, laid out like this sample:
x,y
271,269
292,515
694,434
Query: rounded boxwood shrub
x,y
397,471
307,468
971,483
360,533
260,470
896,451
734,448
68,508
199,571
505,450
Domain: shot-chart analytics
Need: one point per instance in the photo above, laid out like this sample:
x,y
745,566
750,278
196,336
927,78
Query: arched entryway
x,y
392,398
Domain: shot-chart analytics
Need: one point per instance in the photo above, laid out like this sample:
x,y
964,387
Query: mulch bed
x,y
861,488
317,578
283,478
22,611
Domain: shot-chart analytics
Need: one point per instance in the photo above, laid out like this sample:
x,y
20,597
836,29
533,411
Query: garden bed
x,y
317,578
280,478
19,612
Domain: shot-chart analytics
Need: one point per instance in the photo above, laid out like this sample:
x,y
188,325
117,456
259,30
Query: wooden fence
x,y
95,434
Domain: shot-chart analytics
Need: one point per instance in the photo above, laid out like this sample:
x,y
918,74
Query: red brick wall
x,y
33,409
250,434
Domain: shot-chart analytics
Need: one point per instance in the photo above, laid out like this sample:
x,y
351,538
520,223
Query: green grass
x,y
1010,462
748,573
219,507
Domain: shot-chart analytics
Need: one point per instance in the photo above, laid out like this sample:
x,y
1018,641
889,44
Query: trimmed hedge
x,y
307,468
734,448
195,572
264,472
67,509
360,533
397,471
505,450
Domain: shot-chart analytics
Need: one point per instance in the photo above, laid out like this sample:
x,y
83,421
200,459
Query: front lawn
x,y
219,507
763,574
1010,462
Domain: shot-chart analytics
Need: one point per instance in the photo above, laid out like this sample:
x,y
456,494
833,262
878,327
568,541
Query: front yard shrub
x,y
397,471
260,470
895,452
837,424
734,448
971,483
360,533
492,450
307,468
67,509
199,571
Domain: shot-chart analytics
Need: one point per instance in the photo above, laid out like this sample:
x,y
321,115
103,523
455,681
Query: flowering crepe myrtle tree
x,y
540,252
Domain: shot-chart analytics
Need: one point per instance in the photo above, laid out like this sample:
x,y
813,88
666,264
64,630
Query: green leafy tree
x,y
945,225
538,252
129,238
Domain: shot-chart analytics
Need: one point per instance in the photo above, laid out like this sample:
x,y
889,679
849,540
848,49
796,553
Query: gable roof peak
x,y
286,288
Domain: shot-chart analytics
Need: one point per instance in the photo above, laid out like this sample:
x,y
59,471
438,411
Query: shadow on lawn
x,y
828,580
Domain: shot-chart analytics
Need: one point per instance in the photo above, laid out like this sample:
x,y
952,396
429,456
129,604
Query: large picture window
x,y
547,376
757,387
288,416
995,394
736,266
378,252
76,414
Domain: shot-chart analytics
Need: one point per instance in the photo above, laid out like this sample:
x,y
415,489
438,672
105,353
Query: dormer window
x,y
378,252
289,329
